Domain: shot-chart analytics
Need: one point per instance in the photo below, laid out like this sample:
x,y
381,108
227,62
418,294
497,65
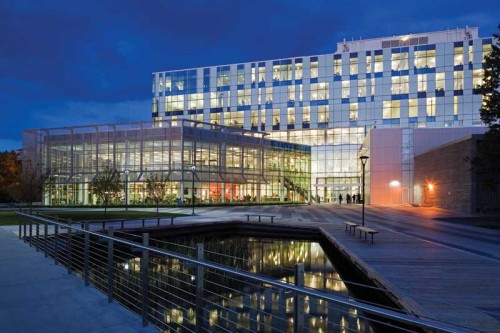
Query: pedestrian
x,y
348,198
340,198
354,197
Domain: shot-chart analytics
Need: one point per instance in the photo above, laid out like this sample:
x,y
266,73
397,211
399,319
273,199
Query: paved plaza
x,y
445,270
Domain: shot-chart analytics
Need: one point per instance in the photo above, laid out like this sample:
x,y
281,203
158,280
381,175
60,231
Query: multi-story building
x,y
332,101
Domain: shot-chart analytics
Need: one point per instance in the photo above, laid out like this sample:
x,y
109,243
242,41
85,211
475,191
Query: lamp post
x,y
126,189
193,169
363,163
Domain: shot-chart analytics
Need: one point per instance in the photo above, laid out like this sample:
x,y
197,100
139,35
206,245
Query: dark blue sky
x,y
65,63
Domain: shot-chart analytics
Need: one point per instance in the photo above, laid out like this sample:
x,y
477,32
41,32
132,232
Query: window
x,y
241,76
431,107
319,91
168,83
399,61
243,97
175,103
422,82
458,56
195,101
223,77
254,118
290,92
262,73
379,64
300,92
458,80
215,118
276,117
298,71
346,90
455,105
269,95
471,54
260,96
440,81
286,72
425,59
353,66
276,73
368,63
314,69
253,74
233,119
216,99
413,107
361,88
486,51
353,111
337,66
477,78
306,115
372,87
322,114
391,109
399,85
291,116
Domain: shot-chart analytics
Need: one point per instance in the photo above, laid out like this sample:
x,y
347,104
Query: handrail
x,y
389,314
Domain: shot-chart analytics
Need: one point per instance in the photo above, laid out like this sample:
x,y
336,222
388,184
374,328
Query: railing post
x,y
31,232
25,224
37,233
56,242
298,311
145,280
69,257
86,247
20,227
199,288
110,266
45,238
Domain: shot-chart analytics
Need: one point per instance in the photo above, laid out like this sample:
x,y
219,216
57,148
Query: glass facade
x,y
332,101
231,164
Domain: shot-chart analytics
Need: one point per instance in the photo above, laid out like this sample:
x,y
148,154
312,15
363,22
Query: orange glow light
x,y
430,186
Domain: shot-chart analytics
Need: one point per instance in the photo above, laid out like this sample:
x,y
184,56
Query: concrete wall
x,y
444,178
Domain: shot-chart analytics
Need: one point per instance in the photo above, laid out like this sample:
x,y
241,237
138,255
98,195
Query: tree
x,y
10,175
32,185
156,188
107,186
487,162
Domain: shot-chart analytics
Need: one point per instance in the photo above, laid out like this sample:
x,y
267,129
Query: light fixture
x,y
363,159
430,186
394,183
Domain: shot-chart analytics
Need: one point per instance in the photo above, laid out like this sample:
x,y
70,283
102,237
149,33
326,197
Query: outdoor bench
x,y
260,216
351,226
367,231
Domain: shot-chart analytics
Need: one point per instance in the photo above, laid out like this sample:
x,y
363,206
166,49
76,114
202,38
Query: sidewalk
x,y
38,296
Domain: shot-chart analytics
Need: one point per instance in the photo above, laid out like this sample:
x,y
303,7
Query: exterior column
x,y
223,194
182,192
231,192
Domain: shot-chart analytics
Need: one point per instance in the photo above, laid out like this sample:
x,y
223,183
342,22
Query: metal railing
x,y
177,292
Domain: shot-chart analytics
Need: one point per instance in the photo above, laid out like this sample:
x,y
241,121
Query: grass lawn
x,y
8,217
99,215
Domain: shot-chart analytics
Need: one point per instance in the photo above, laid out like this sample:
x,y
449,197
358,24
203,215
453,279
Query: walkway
x,y
38,296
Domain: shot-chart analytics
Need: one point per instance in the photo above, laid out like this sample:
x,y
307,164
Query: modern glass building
x,y
332,101
231,164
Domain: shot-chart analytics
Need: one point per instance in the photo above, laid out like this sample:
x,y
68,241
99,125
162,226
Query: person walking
x,y
348,198
340,198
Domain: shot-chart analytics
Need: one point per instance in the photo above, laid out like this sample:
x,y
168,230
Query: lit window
x,y
319,91
298,71
379,64
175,103
269,95
372,87
458,56
361,88
422,82
306,115
223,77
431,107
458,80
399,61
353,111
195,101
486,51
368,63
391,109
323,114
399,85
244,97
291,93
346,90
291,116
477,78
353,66
413,107
337,66
440,81
241,76
471,54
425,59
276,117
455,105
254,118
262,73
314,69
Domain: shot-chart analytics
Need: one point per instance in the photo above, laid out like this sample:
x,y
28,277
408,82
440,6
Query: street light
x,y
193,169
126,189
363,163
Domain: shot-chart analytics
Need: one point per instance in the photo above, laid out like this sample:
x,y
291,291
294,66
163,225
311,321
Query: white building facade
x,y
332,101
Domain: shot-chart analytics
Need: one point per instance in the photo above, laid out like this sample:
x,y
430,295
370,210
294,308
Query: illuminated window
x,y
244,97
458,80
233,119
276,72
353,66
477,78
379,64
319,91
455,105
254,118
314,69
346,90
391,109
425,59
290,92
168,83
399,61
471,54
195,101
260,95
399,85
361,88
422,82
298,71
276,117
291,116
223,77
306,115
368,63
216,99
440,81
253,74
286,72
486,51
458,56
431,107
413,107
262,73
215,118
241,76
269,95
372,87
323,114
175,103
300,92
337,66
353,111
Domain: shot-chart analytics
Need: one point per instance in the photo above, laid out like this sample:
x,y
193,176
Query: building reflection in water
x,y
230,304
